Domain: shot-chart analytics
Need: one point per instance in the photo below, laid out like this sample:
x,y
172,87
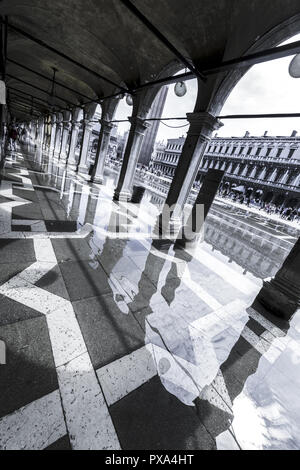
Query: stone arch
x,y
77,114
268,196
292,202
148,95
89,110
279,199
272,38
109,107
249,191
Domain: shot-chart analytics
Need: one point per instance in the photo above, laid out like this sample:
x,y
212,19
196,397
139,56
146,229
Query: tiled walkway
x,y
129,343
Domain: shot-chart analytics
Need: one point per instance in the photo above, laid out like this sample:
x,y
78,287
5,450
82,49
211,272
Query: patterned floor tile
x,y
29,372
151,418
107,331
84,279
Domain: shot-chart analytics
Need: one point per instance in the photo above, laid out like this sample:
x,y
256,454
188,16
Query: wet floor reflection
x,y
268,400
211,350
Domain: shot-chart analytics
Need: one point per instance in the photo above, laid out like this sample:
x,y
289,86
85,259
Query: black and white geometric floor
x,y
119,343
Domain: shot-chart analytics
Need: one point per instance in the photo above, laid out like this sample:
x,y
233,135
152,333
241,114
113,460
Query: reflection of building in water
x,y
260,256
204,356
238,374
264,168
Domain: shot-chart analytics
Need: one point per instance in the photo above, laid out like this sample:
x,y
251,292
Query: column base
x,y
83,170
278,300
97,180
175,225
191,242
123,196
166,231
63,158
71,166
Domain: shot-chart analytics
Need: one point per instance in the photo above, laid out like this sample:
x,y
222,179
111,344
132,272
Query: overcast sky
x,y
266,88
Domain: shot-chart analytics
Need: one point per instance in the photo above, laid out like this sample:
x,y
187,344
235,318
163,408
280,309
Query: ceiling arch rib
x,y
32,84
44,86
21,90
20,51
52,80
106,38
28,103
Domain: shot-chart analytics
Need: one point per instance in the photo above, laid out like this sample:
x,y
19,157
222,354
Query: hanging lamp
x,y
129,100
180,89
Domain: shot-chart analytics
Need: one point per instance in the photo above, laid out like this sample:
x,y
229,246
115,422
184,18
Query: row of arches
x,y
284,175
62,132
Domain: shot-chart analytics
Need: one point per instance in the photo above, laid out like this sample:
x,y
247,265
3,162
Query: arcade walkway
x,y
124,342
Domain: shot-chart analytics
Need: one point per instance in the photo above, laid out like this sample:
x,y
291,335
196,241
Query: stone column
x,y
2,124
45,137
58,136
43,133
37,130
48,132
138,127
52,134
281,295
65,134
36,133
193,228
87,129
102,148
33,131
29,130
202,124
40,132
84,199
73,141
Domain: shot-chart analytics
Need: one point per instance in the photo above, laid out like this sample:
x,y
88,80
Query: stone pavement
x,y
126,343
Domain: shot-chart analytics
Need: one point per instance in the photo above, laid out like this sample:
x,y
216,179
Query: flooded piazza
x,y
132,342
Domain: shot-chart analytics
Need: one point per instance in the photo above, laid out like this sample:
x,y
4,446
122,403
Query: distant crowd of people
x,y
287,213
15,134
284,212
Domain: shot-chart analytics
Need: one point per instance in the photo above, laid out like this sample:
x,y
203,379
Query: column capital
x,y
202,124
88,125
67,126
141,124
107,125
75,124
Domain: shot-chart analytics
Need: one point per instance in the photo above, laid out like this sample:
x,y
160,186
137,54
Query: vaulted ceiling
x,y
116,49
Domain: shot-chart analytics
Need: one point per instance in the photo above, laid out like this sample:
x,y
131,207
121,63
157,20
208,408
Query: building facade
x,y
265,168
166,157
